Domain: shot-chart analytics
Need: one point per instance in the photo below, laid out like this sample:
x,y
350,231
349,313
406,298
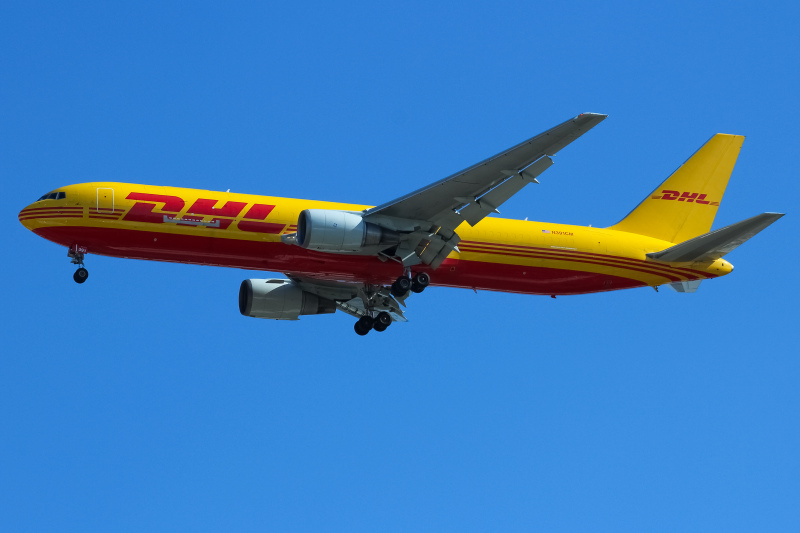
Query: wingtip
x,y
592,119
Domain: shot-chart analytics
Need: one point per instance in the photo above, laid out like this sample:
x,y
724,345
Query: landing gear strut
x,y
76,253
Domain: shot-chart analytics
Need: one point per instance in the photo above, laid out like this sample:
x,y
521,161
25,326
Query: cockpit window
x,y
58,195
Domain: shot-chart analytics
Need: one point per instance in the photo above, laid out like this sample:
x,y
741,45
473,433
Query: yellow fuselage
x,y
244,231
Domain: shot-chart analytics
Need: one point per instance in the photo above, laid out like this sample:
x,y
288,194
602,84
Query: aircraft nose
x,y
25,215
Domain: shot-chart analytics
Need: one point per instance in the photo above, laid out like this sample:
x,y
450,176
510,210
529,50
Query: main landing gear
x,y
400,290
76,253
403,284
381,321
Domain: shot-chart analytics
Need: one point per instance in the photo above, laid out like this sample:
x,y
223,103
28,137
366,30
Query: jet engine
x,y
339,231
280,299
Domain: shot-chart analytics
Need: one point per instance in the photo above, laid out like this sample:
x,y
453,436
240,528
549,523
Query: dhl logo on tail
x,y
687,197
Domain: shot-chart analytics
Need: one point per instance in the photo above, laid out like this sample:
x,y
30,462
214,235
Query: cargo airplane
x,y
366,261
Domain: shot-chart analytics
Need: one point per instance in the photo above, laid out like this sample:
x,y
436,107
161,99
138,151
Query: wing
x,y
436,200
429,216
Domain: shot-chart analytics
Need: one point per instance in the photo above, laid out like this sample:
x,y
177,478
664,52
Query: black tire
x,y
80,275
401,286
361,331
419,282
366,323
379,327
384,320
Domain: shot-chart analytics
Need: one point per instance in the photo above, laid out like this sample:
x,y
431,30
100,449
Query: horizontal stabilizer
x,y
713,245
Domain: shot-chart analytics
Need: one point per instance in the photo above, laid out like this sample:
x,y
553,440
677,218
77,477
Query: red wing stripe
x,y
579,260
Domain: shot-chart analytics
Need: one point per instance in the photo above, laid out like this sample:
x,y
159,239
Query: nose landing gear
x,y
76,253
80,275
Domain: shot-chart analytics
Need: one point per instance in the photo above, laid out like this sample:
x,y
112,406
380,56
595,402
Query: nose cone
x,y
53,209
28,215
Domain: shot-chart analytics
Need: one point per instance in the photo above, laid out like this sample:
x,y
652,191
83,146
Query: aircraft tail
x,y
684,206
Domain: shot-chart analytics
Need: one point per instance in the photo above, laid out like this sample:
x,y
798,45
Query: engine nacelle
x,y
339,231
280,299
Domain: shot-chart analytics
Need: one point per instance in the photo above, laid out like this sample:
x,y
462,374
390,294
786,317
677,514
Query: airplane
x,y
367,260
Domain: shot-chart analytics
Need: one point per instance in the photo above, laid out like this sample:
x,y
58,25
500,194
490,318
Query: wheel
x,y
361,331
401,286
80,275
382,321
366,322
420,281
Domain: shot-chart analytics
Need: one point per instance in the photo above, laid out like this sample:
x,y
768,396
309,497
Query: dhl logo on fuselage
x,y
253,219
687,197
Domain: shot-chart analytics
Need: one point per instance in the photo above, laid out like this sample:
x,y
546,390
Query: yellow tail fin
x,y
684,206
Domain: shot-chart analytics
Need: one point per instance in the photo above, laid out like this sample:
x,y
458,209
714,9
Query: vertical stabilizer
x,y
684,206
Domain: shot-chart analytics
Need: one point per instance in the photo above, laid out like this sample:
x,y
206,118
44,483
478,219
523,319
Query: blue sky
x,y
143,400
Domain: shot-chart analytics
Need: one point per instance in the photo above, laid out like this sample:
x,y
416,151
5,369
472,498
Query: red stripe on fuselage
x,y
50,212
66,207
570,254
278,257
40,217
640,267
